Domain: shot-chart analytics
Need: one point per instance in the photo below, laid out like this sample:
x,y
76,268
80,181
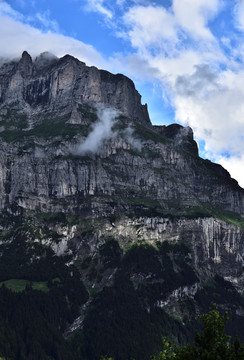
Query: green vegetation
x,y
123,320
23,261
18,285
87,112
145,133
52,218
110,253
40,295
142,206
208,210
196,211
48,127
216,290
230,217
28,227
118,324
14,119
212,343
144,273
117,171
144,153
145,201
31,325
121,125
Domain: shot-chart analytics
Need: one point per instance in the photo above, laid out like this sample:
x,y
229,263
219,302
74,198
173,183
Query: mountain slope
x,y
90,187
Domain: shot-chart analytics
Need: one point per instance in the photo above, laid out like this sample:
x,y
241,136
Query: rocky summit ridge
x,y
87,174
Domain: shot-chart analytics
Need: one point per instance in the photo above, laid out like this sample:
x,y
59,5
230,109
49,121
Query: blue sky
x,y
186,57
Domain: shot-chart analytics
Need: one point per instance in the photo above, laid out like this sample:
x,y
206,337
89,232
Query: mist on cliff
x,y
131,139
44,59
102,130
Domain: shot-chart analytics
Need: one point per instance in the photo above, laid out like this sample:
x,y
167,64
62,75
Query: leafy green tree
x,y
212,343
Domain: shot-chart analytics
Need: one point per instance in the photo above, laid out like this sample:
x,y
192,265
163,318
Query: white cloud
x,y
97,6
235,166
42,19
174,40
239,14
102,131
213,106
167,31
17,37
193,16
134,66
120,2
205,87
226,41
183,63
7,10
46,21
150,26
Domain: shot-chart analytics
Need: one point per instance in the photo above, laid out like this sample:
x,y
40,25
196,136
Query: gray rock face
x,y
39,177
152,174
216,245
53,84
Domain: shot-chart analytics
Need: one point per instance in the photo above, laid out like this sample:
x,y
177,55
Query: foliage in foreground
x,y
212,343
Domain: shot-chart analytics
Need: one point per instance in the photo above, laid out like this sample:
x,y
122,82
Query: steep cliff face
x,y
83,171
51,84
215,244
50,105
48,108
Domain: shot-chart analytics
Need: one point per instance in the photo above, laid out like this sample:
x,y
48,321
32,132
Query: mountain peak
x,y
73,83
26,56
25,64
45,59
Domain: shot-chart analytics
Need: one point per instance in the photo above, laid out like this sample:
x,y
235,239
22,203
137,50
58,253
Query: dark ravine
x,y
154,232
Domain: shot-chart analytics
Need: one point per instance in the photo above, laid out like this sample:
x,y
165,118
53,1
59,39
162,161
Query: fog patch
x,y
105,129
45,59
129,136
102,130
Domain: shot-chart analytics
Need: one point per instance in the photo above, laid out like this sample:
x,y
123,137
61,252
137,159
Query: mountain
x,y
118,220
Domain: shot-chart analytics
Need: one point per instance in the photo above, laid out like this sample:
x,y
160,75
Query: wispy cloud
x,y
239,14
145,30
193,16
43,19
7,10
101,131
46,21
120,2
99,7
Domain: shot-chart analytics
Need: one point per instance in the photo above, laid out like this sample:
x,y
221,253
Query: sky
x,y
186,57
